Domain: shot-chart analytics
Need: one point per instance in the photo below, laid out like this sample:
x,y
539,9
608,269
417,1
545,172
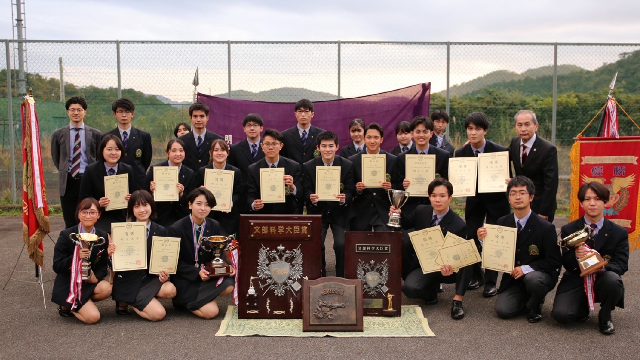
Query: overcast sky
x,y
372,20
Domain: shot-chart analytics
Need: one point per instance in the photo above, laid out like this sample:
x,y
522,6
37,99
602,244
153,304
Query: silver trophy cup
x,y
397,198
87,241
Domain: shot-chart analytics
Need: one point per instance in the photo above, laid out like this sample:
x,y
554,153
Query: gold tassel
x,y
634,237
574,155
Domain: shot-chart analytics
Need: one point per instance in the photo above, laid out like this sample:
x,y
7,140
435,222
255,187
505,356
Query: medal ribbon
x,y
75,284
589,283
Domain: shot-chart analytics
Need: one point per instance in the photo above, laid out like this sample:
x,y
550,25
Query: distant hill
x,y
285,94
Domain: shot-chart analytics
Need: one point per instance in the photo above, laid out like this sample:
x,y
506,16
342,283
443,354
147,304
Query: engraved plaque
x,y
332,304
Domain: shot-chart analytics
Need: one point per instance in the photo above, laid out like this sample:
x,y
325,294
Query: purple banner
x,y
386,109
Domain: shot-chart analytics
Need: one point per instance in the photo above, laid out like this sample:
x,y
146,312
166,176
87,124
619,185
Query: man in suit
x,y
246,152
199,140
537,159
611,241
425,286
334,213
271,145
403,135
300,140
73,147
137,143
491,206
440,120
537,256
370,208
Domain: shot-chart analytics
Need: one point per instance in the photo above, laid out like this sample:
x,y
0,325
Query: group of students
x,y
83,163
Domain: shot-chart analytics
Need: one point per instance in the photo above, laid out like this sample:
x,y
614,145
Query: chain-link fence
x,y
565,84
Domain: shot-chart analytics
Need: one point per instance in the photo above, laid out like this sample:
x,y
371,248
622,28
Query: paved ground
x,y
27,330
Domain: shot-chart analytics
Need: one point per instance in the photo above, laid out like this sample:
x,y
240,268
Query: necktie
x,y
254,150
111,171
592,236
304,137
273,165
439,142
147,233
199,142
519,226
125,138
405,149
524,153
198,229
77,152
434,221
476,152
359,149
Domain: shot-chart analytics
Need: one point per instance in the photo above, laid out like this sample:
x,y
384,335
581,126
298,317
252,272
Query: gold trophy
x,y
87,241
591,262
397,198
389,311
217,244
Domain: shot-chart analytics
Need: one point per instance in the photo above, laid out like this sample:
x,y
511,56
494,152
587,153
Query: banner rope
x,y
630,118
589,124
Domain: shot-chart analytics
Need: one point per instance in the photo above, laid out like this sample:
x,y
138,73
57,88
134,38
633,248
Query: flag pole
x,y
611,87
195,84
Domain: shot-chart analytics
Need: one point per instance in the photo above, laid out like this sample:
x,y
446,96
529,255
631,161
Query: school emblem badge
x,y
533,250
139,153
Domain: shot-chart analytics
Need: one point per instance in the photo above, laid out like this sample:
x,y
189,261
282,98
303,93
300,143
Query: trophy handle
x,y
99,242
389,196
405,198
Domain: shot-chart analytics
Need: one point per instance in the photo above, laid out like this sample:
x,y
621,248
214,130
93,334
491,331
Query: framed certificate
x,y
327,183
165,252
130,239
420,170
116,187
493,170
272,185
374,170
463,173
499,248
427,242
166,179
220,183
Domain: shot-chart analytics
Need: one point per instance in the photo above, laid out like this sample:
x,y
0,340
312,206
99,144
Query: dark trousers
x,y
338,246
475,215
69,202
425,286
409,258
572,304
524,294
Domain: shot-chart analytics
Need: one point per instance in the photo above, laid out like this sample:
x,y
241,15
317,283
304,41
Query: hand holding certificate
x,y
420,170
463,173
220,183
493,170
499,248
374,168
328,183
427,242
116,187
130,239
165,252
166,179
272,188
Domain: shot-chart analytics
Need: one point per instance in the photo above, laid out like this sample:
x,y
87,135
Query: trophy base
x,y
591,263
217,270
388,312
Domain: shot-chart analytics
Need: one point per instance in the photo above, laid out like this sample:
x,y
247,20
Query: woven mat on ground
x,y
411,324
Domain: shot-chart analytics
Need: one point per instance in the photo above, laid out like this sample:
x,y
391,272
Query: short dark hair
x,y
274,134
86,203
141,197
421,120
76,100
103,144
123,103
374,126
601,191
253,117
478,119
304,103
440,182
403,126
356,122
440,115
172,141
211,200
326,135
521,180
223,145
198,106
177,128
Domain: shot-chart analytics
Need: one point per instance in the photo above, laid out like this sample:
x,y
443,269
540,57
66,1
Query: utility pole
x,y
22,82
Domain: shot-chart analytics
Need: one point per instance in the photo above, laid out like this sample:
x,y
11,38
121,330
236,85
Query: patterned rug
x,y
411,324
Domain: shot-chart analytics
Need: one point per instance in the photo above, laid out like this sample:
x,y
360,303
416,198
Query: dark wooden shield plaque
x,y
376,259
277,253
332,304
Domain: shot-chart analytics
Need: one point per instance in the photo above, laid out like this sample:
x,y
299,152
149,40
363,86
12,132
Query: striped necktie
x,y
254,150
524,153
199,143
111,171
304,137
434,221
125,138
77,153
519,226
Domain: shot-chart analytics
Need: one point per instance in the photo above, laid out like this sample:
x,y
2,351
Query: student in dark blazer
x,y
181,129
196,291
537,261
334,213
608,239
491,206
426,286
137,143
440,121
96,288
72,151
138,288
356,130
172,211
370,208
538,161
246,152
92,185
219,155
403,134
271,145
300,140
198,141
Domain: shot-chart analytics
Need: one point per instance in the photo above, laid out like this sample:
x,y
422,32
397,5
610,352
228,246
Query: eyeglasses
x,y
120,112
516,193
88,213
271,144
303,111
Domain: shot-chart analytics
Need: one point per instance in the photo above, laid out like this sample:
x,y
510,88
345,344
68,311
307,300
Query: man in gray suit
x,y
73,147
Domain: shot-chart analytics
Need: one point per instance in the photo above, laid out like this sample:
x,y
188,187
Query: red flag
x,y
35,212
610,120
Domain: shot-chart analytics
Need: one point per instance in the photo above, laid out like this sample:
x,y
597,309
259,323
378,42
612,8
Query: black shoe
x,y
457,312
489,291
473,284
432,301
535,314
583,319
607,328
122,309
64,313
440,289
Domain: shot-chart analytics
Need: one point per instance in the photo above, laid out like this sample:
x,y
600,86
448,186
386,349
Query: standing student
x,y
300,140
137,143
403,135
356,130
198,141
73,147
181,129
246,152
440,121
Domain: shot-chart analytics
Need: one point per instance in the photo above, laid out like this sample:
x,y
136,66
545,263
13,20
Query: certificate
x,y
166,179
450,240
463,172
165,252
116,187
427,242
493,170
499,248
420,170
220,183
327,183
460,255
374,168
272,185
130,239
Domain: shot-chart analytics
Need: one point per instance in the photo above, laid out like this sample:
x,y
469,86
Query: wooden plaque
x,y
332,304
376,259
277,253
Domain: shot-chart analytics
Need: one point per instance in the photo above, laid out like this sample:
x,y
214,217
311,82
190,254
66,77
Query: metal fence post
x,y
119,69
554,107
229,67
339,58
447,109
10,114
